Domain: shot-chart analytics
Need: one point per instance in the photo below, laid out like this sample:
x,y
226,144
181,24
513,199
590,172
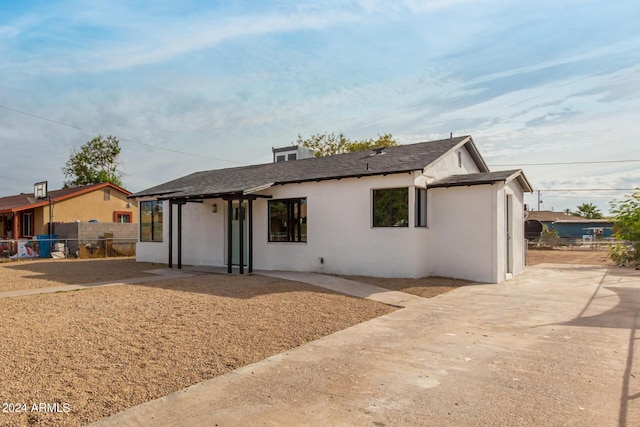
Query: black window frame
x,y
156,225
293,234
390,211
421,202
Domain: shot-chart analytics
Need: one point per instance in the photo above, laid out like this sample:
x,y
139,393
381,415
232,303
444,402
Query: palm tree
x,y
588,211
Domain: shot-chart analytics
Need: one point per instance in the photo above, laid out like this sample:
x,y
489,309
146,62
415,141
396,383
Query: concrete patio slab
x,y
555,346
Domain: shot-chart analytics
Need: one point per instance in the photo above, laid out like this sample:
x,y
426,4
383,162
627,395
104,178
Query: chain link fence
x,y
110,247
586,243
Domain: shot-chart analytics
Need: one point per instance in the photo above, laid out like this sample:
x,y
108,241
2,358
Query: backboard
x,y
40,190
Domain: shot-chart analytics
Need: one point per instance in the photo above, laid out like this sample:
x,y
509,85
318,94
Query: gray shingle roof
x,y
403,158
483,178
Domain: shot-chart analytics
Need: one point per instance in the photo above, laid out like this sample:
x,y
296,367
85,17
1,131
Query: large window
x,y
421,207
151,221
391,207
288,220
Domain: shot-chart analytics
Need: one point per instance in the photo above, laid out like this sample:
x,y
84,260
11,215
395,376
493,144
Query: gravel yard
x,y
426,287
35,274
561,256
105,349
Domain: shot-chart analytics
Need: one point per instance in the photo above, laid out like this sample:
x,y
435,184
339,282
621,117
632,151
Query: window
x,y
391,207
122,216
459,159
288,220
151,221
421,207
107,194
280,158
291,156
27,224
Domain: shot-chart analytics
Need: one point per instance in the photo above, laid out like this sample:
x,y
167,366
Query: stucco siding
x,y
340,231
90,206
203,244
461,243
448,165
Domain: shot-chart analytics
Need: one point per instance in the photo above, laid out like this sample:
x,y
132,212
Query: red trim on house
x,y
123,213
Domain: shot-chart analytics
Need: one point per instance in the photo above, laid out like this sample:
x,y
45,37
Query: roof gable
x,y
24,201
246,179
482,178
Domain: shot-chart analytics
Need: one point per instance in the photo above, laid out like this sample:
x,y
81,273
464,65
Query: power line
x,y
121,139
571,163
590,189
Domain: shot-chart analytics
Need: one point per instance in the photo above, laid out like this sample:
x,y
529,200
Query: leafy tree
x,y
588,211
626,227
95,162
328,144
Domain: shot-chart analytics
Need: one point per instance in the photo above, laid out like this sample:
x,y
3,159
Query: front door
x,y
509,233
235,234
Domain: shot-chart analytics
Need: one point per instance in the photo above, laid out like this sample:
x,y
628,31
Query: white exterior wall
x,y
339,230
469,232
462,220
448,165
203,244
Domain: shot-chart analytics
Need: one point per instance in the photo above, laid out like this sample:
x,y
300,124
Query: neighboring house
x,y
416,210
25,216
566,225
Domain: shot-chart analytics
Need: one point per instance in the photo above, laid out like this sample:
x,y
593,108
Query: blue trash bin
x,y
46,243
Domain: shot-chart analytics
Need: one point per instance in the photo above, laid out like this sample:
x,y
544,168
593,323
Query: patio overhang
x,y
240,197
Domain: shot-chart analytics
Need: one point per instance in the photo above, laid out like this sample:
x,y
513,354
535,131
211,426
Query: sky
x,y
200,85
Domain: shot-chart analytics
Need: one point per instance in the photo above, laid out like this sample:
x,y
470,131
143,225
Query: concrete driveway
x,y
554,346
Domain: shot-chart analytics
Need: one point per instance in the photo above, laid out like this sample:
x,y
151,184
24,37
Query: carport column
x,y
170,234
229,235
180,234
250,235
14,232
241,232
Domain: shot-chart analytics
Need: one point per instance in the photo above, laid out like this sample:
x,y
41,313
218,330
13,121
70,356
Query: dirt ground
x,y
426,287
560,256
98,351
35,274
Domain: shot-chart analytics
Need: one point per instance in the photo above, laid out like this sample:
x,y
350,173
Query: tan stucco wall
x,y
86,207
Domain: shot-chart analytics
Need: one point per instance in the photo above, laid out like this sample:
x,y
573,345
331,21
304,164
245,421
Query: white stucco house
x,y
431,208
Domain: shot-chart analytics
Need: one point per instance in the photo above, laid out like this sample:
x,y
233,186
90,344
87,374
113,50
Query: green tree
x,y
328,144
95,162
588,211
626,227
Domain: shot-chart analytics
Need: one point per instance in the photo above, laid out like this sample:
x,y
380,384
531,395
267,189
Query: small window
x,y
459,159
280,158
27,224
151,221
288,220
122,217
291,156
391,207
107,194
421,207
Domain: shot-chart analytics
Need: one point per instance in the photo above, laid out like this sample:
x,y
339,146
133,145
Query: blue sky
x,y
532,82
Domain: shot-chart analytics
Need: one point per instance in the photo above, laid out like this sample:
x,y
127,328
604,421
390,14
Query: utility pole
x,y
539,201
